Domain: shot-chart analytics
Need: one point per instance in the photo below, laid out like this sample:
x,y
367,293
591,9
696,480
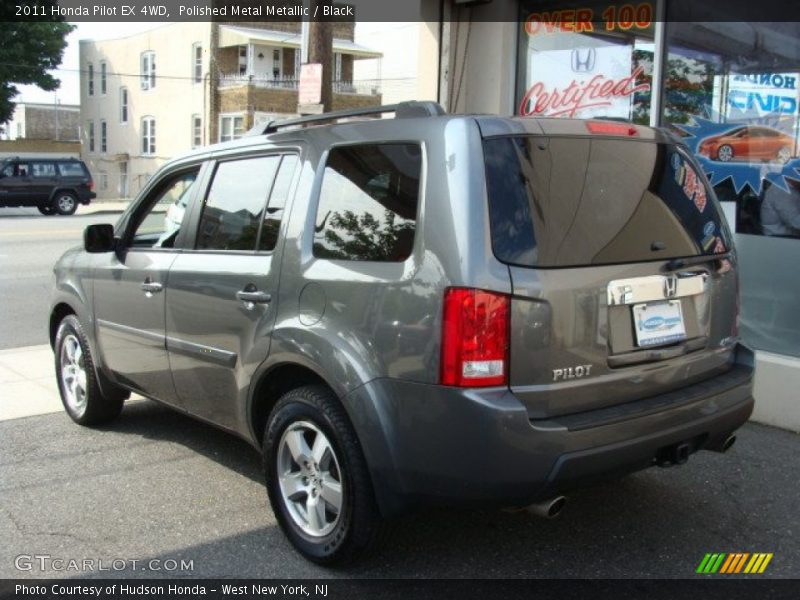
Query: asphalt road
x,y
30,244
158,485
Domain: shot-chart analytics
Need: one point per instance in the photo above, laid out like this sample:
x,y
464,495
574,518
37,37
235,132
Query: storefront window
x,y
734,100
731,92
586,59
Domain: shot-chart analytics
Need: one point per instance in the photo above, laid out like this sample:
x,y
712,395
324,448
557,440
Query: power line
x,y
98,74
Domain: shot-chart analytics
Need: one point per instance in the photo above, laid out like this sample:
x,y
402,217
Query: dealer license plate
x,y
658,323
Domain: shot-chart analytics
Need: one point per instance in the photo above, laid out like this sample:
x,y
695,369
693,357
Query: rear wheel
x,y
80,393
725,153
317,478
66,203
784,154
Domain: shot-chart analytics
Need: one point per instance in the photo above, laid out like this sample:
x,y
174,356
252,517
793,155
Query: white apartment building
x,y
151,96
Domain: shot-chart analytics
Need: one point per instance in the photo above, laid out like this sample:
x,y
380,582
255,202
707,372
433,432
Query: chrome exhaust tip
x,y
726,444
729,441
548,509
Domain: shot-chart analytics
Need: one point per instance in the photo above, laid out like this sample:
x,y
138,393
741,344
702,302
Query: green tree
x,y
29,50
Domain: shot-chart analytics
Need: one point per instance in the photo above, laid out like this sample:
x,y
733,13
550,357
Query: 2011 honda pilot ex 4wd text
x,y
428,309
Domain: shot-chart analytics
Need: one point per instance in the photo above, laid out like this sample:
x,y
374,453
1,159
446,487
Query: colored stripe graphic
x,y
726,566
735,562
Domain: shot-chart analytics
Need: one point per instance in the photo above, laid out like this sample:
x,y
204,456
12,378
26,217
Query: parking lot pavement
x,y
158,485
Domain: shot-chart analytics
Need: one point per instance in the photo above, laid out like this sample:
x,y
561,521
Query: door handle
x,y
253,296
151,287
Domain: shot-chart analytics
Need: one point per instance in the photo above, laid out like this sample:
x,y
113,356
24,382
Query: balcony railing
x,y
368,87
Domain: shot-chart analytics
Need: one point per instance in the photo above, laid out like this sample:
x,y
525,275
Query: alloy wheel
x,y
73,374
310,478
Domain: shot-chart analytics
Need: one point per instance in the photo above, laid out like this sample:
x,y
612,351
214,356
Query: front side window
x,y
159,224
231,127
233,210
103,73
368,203
90,134
148,70
148,135
16,169
123,105
103,136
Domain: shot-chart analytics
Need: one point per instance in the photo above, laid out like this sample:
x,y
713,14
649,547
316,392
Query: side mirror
x,y
99,238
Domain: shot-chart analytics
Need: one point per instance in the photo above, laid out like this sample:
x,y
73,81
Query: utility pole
x,y
320,50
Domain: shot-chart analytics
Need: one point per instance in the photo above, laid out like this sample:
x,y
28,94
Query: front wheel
x,y
317,477
784,155
725,153
66,203
81,395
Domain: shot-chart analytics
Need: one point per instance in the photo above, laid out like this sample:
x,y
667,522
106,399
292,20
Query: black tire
x,y
358,523
65,203
92,406
46,209
725,153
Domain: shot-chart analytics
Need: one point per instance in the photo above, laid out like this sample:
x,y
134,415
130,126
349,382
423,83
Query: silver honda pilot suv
x,y
426,310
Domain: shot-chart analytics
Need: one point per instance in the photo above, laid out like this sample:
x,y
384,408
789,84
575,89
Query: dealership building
x,y
728,88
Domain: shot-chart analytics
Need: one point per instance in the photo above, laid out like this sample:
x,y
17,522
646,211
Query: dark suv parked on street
x,y
54,186
430,309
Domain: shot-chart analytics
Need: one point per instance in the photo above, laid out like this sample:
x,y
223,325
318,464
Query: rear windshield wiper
x,y
680,263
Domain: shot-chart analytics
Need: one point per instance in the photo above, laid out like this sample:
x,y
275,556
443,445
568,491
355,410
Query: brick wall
x,y
288,61
28,147
347,67
342,101
40,123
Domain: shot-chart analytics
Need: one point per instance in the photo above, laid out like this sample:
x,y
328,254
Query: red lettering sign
x,y
598,91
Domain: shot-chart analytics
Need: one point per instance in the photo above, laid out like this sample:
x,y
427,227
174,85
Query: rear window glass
x,y
556,202
368,203
71,169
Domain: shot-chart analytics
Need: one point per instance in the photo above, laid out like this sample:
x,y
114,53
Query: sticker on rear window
x,y
690,182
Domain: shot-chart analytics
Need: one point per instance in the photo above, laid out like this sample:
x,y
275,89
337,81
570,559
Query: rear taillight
x,y
91,185
475,332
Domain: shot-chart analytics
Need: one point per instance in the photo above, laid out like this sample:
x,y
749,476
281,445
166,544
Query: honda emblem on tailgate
x,y
670,286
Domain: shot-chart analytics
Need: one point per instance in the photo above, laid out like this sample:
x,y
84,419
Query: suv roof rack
x,y
402,110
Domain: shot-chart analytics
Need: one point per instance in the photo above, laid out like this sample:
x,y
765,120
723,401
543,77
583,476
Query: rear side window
x,y
368,203
558,202
43,169
277,203
71,169
235,205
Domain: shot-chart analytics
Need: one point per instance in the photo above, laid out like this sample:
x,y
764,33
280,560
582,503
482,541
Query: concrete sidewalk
x,y
29,382
96,206
29,388
28,378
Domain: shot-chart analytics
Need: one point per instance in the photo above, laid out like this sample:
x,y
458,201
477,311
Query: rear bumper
x,y
433,445
87,197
